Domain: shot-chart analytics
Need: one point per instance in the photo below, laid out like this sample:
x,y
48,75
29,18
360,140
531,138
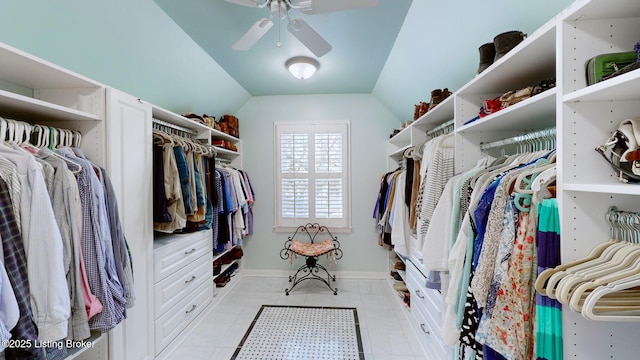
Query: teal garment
x,y
548,323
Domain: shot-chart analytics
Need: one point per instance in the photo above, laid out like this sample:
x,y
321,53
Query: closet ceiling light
x,y
302,67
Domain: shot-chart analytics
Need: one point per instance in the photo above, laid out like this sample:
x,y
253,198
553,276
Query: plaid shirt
x,y
94,253
15,263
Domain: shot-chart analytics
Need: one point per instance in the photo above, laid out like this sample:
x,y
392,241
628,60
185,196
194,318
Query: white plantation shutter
x,y
312,177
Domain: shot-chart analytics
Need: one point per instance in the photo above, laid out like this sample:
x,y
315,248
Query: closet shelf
x,y
397,155
224,268
537,112
440,114
611,9
226,151
20,68
23,107
625,189
529,62
180,120
623,87
217,134
402,137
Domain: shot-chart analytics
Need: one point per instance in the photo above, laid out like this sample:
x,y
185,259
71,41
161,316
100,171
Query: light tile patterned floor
x,y
302,332
384,326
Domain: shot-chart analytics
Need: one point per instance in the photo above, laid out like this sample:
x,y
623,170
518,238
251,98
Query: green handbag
x,y
606,64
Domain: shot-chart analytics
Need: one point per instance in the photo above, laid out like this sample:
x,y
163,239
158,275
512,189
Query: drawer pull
x,y
193,277
189,252
193,307
419,294
421,327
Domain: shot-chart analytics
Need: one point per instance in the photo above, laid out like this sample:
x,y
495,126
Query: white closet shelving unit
x,y
587,116
183,263
117,134
38,92
182,275
584,117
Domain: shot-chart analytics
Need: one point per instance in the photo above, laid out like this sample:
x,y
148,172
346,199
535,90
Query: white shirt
x,y
50,302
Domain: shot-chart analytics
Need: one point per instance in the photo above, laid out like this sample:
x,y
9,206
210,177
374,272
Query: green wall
x,y
130,45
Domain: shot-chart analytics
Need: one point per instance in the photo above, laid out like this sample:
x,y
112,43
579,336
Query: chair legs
x,y
309,271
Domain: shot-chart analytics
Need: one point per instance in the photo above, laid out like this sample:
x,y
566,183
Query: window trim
x,y
278,126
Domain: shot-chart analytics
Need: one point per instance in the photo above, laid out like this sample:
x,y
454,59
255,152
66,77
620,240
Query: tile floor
x,y
303,332
384,325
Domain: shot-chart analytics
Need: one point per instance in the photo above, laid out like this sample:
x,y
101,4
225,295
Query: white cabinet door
x,y
129,163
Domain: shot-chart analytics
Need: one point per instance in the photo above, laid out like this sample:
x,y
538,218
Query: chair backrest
x,y
313,230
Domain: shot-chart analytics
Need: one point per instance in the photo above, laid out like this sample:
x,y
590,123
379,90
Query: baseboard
x,y
338,274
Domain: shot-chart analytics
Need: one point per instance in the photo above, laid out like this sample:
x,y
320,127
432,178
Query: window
x,y
312,174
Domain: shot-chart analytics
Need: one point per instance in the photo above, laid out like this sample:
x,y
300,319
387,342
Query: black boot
x,y
506,41
487,53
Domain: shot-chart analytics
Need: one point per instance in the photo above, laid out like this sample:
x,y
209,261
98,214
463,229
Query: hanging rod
x,y
173,126
442,126
519,139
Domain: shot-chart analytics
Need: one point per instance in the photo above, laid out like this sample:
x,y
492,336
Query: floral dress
x,y
509,330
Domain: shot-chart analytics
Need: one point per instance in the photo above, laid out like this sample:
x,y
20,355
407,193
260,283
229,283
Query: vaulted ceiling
x,y
361,41
399,50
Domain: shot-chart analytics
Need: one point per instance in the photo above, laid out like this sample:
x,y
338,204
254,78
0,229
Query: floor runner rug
x,y
302,332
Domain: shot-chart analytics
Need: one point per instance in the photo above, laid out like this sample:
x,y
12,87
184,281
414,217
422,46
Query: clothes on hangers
x,y
502,263
436,168
192,192
404,201
234,207
54,206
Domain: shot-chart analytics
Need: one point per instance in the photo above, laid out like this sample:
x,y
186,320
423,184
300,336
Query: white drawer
x,y
430,338
169,325
424,333
431,298
423,299
431,316
175,287
171,253
434,297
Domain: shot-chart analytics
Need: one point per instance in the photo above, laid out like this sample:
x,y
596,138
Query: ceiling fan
x,y
298,27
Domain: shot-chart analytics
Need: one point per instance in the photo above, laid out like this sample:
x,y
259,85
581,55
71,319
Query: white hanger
x,y
10,130
616,278
77,139
625,307
541,282
598,255
46,132
3,129
61,138
619,267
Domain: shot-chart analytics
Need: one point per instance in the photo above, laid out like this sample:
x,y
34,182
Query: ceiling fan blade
x,y
309,37
325,6
249,3
255,33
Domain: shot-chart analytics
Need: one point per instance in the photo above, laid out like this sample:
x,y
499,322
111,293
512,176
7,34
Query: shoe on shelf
x,y
236,253
487,56
407,300
222,280
400,286
396,276
399,265
234,269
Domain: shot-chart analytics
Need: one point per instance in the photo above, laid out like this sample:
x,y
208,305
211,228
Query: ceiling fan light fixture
x,y
302,67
